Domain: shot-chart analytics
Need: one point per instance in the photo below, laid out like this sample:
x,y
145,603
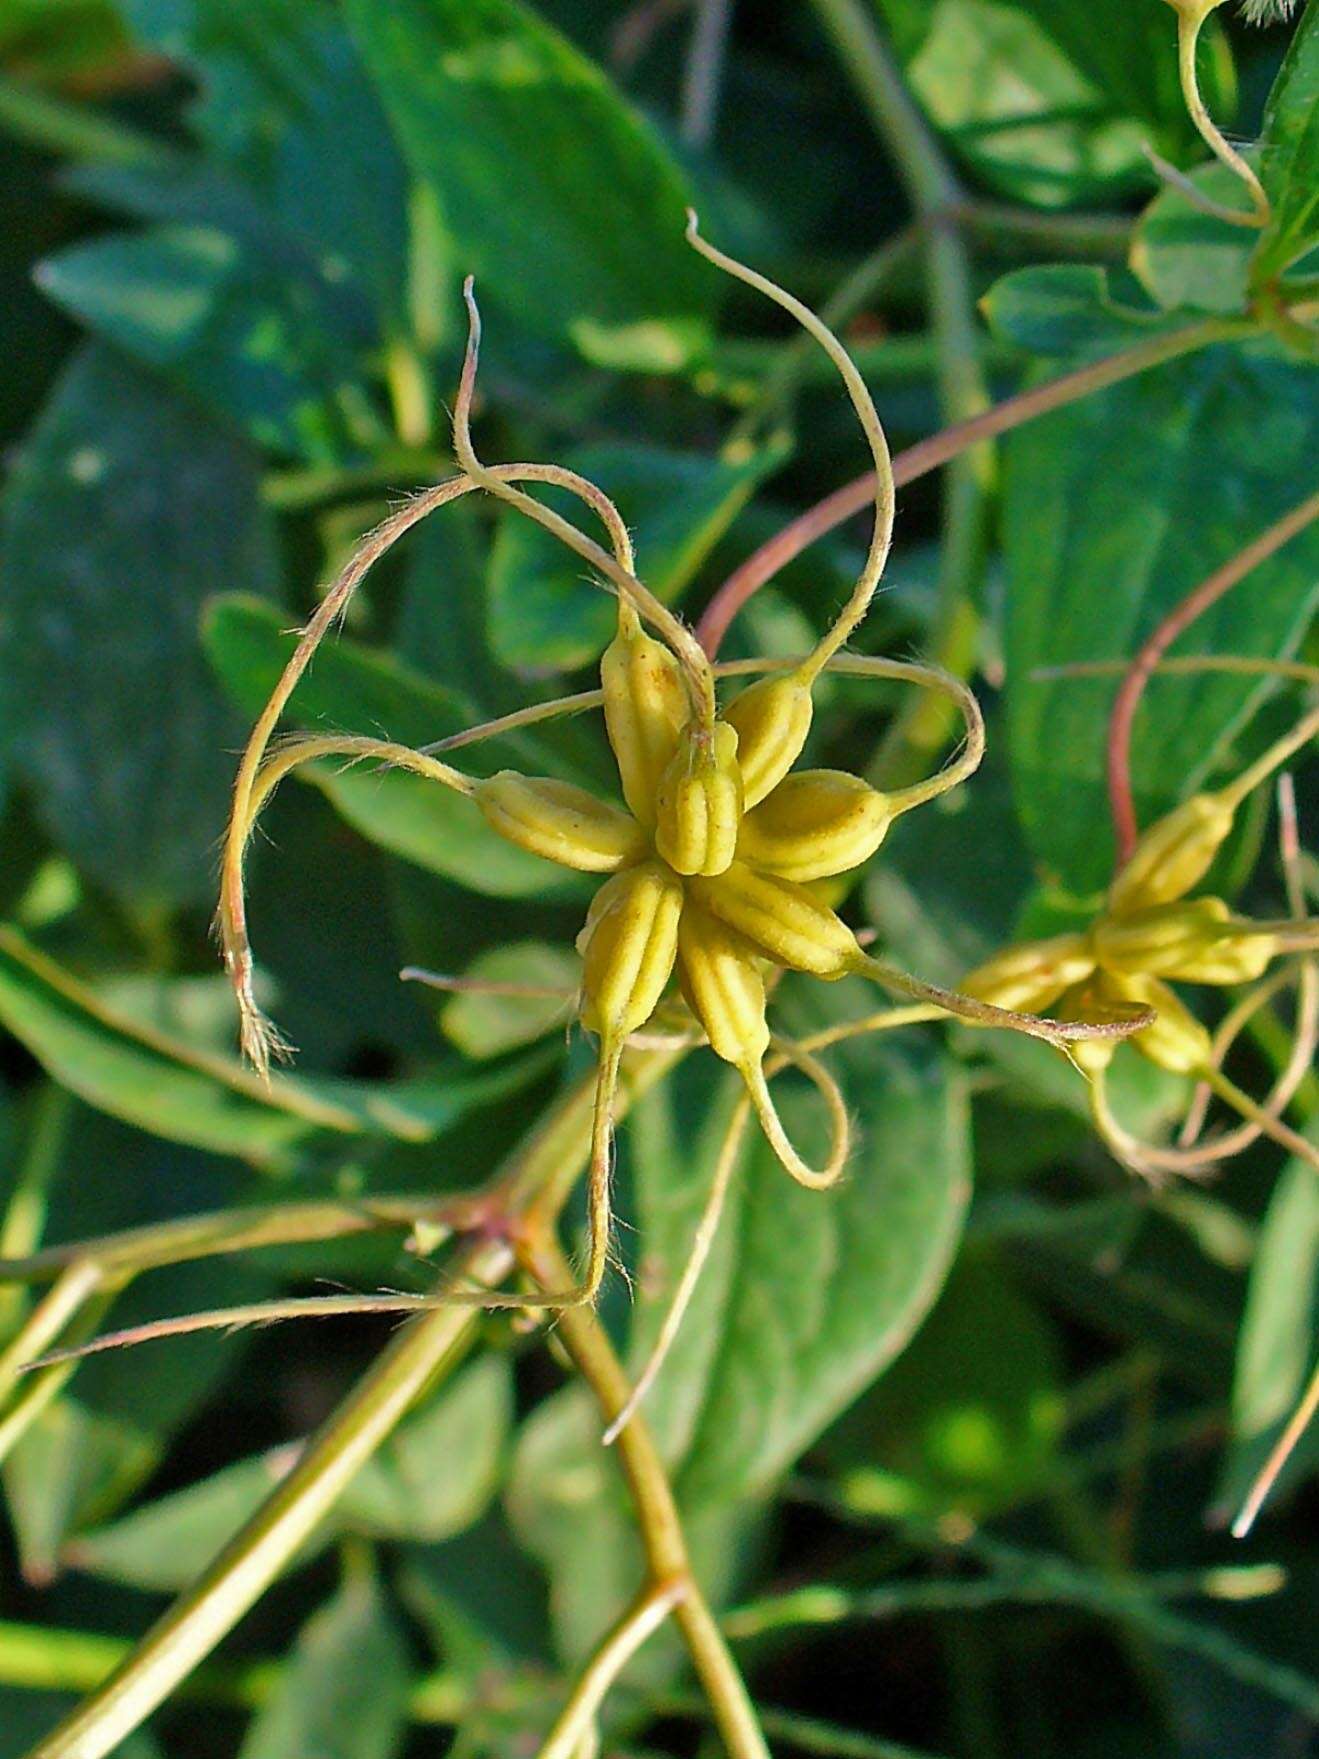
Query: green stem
x,y
657,1514
293,491
200,1618
921,731
801,361
540,1175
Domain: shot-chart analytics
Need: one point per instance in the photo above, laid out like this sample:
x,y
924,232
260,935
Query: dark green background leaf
x,y
1116,508
129,508
585,238
807,1295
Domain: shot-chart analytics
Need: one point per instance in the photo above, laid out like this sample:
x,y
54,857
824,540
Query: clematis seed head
x,y
560,821
1176,852
772,719
645,703
698,805
816,823
628,947
1031,975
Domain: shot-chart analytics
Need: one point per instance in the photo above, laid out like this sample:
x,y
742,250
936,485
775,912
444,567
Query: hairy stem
x,y
1189,23
657,1515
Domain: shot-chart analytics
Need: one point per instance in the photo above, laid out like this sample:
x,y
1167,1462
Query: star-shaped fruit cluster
x,y
1149,936
711,866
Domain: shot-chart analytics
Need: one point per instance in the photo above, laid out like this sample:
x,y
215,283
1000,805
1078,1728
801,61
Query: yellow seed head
x,y
724,985
815,823
1196,940
629,945
559,821
698,807
772,720
1031,975
1176,1040
781,920
645,711
1173,855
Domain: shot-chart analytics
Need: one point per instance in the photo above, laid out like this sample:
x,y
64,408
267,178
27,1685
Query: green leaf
x,y
344,1692
677,505
352,689
1189,260
1276,1346
434,1479
69,1459
1289,153
183,1091
585,239
970,1418
1115,509
488,1025
1038,101
285,105
246,334
436,1474
1067,309
807,1295
127,510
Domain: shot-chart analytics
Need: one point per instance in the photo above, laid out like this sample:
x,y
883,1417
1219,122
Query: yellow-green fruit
x,y
645,711
772,719
724,985
1173,855
1176,1040
1196,941
815,823
1031,975
629,946
781,920
562,822
698,807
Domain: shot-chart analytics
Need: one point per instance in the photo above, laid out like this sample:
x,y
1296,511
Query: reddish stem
x,y
1143,666
927,454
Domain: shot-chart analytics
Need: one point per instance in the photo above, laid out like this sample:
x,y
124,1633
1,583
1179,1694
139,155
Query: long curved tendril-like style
x,y
885,493
689,653
1190,20
757,1078
703,1239
261,1041
786,1053
1297,1424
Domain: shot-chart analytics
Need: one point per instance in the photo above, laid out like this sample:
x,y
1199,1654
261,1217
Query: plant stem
x,y
657,1515
702,75
922,729
1142,667
949,443
541,1174
200,1618
801,359
576,1720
